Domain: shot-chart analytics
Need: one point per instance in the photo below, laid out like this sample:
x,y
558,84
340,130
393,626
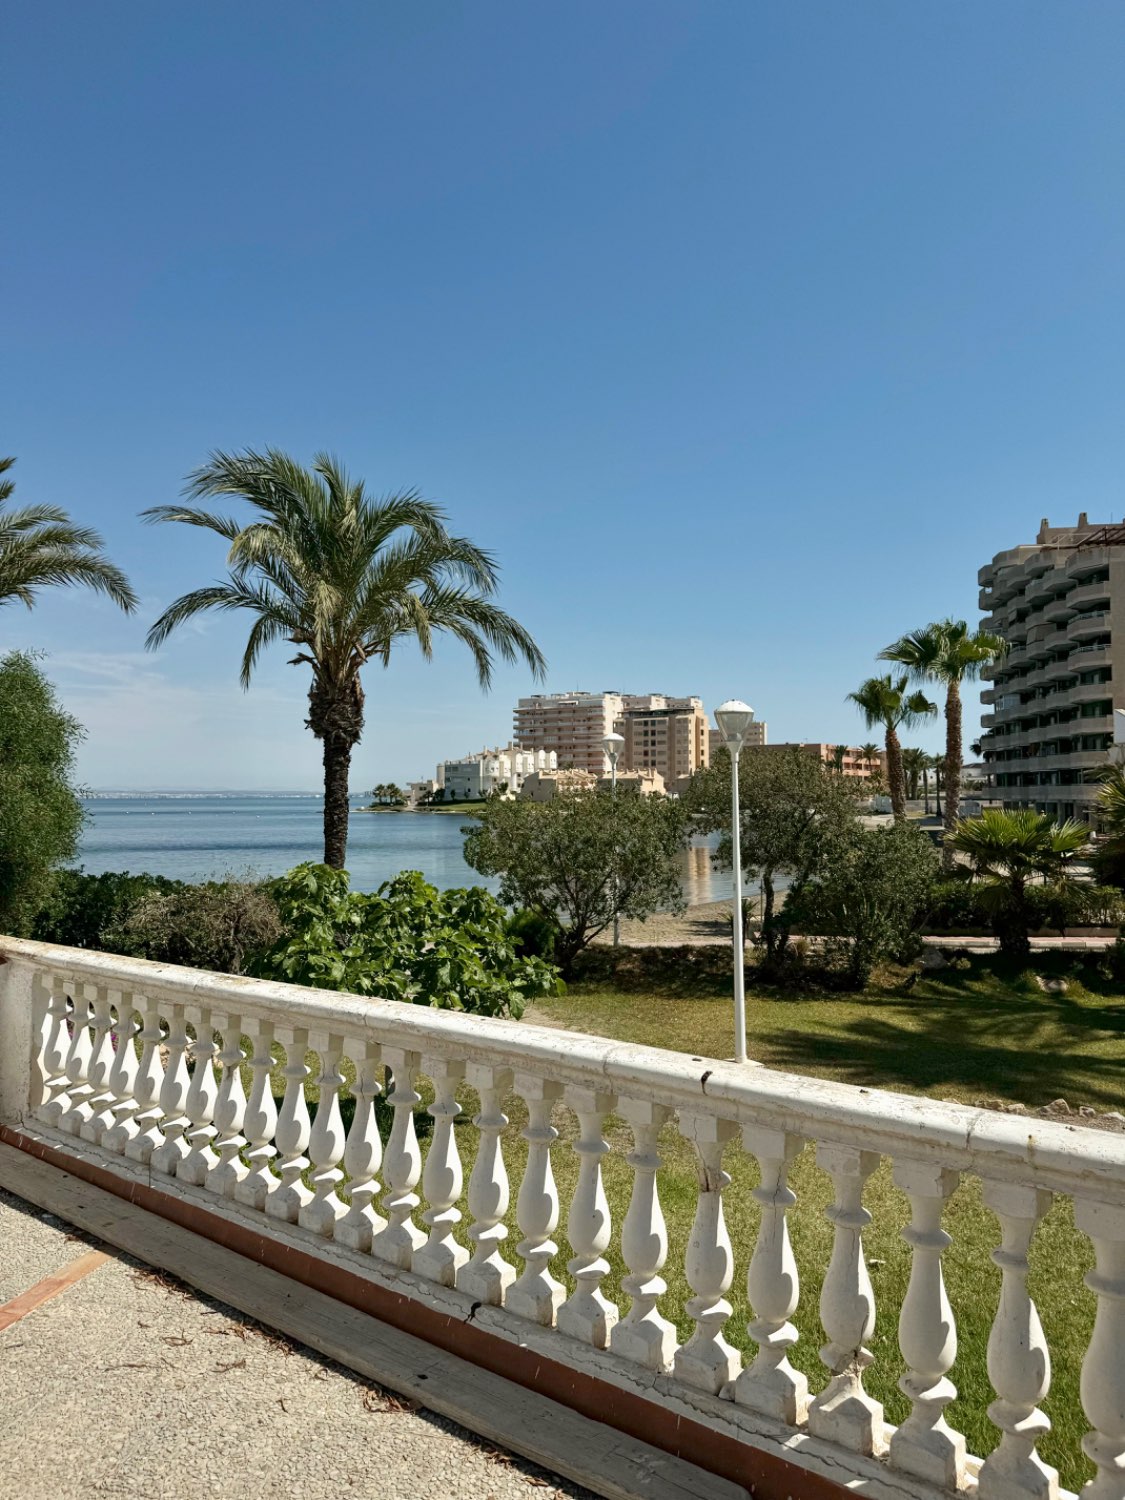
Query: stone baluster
x,y
289,1195
843,1412
588,1314
326,1143
199,1106
441,1257
487,1275
925,1445
363,1153
260,1119
56,1050
1019,1363
123,1079
78,1061
644,1335
1103,1370
150,1077
707,1361
535,1294
402,1165
173,1097
771,1385
224,1175
98,1114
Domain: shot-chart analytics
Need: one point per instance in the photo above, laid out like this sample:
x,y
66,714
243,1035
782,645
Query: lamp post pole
x,y
734,719
612,746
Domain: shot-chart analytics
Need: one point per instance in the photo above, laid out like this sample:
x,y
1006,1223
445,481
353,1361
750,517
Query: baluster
x,y
402,1165
98,1116
1019,1363
1103,1370
224,1175
150,1075
290,1195
173,1098
199,1106
588,1314
260,1119
535,1294
123,1079
363,1153
441,1257
644,1335
771,1385
707,1361
78,1061
56,1050
843,1412
326,1143
924,1444
487,1276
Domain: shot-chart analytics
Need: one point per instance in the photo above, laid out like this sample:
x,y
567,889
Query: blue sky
x,y
742,333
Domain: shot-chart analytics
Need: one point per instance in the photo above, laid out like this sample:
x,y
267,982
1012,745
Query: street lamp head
x,y
734,719
613,744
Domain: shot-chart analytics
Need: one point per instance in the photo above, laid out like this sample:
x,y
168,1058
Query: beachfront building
x,y
662,733
668,736
1048,705
852,764
478,776
547,785
571,726
756,736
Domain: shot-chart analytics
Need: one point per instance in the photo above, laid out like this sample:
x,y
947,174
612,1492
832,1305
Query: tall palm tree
x,y
41,546
1008,849
914,763
950,653
885,702
1109,856
343,577
838,754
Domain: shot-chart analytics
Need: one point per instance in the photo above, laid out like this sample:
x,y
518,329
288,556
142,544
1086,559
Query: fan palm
x,y
1109,858
41,546
344,577
949,653
885,702
914,763
1009,849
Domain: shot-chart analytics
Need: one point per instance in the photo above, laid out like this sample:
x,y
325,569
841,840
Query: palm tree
x,y
1009,849
343,577
884,701
914,763
41,546
950,653
838,754
1109,857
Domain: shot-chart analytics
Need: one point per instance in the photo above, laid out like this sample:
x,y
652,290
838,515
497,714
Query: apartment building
x,y
669,736
853,763
756,736
490,771
1049,704
571,725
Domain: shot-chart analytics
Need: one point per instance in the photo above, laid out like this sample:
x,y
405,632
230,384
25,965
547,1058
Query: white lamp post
x,y
734,719
612,745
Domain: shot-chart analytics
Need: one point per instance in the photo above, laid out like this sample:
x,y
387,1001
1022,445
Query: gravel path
x,y
132,1386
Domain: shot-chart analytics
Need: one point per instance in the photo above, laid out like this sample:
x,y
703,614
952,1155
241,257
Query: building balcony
x,y
106,1071
1085,658
1083,626
1090,595
1087,560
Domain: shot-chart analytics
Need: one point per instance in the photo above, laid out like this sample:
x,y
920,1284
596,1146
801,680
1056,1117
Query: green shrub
x,y
962,903
89,911
533,934
407,941
218,925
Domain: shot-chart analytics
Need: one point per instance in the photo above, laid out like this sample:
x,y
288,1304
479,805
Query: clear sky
x,y
743,333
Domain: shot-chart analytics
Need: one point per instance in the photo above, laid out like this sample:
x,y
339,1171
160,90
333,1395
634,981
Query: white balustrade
x,y
147,1065
487,1275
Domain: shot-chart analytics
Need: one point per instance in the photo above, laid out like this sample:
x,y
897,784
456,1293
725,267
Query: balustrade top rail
x,y
1045,1154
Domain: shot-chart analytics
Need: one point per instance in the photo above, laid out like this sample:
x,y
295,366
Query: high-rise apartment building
x,y
573,725
667,735
1049,703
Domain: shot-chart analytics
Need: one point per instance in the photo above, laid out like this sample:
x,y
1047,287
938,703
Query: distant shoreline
x,y
464,808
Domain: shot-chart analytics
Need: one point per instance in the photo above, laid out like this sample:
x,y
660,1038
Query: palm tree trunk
x,y
337,764
896,777
953,755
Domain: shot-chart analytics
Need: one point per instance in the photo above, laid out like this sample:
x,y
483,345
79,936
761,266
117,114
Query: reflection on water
x,y
701,881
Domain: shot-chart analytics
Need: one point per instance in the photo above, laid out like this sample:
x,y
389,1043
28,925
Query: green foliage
x,y
794,813
40,814
582,858
220,925
870,899
407,941
960,904
90,911
532,933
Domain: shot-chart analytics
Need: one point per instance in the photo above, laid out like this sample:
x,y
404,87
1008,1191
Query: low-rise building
x,y
478,776
545,786
852,763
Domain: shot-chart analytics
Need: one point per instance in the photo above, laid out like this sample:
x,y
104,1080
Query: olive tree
x,y
582,858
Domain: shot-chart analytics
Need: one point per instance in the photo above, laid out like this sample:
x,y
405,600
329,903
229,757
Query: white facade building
x,y
477,776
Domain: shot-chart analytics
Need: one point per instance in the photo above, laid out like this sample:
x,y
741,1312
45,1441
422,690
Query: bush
x,y
90,911
218,925
40,814
533,934
408,941
964,904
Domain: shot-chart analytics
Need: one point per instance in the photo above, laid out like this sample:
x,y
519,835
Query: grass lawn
x,y
960,1034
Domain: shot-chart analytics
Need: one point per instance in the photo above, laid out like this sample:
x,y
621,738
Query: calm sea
x,y
200,838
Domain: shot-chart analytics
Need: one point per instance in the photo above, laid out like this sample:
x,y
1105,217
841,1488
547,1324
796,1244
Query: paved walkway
x,y
119,1382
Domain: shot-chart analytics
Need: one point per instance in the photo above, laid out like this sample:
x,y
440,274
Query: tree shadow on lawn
x,y
1025,1052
